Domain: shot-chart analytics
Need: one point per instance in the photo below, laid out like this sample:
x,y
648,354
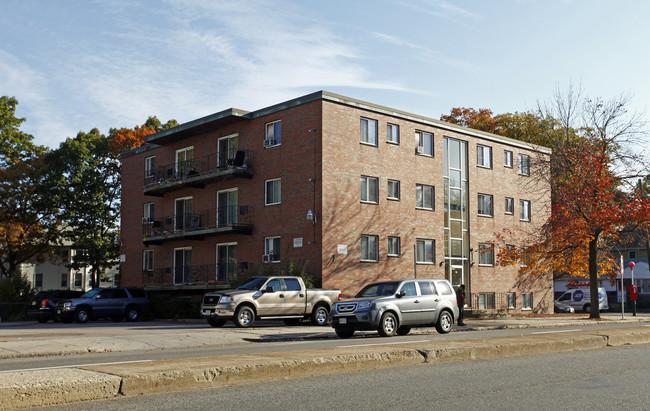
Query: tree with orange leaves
x,y
124,139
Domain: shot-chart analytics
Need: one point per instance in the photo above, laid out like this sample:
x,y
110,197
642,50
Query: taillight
x,y
44,302
340,297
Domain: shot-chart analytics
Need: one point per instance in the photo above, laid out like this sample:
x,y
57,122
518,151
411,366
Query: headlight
x,y
225,299
67,305
364,305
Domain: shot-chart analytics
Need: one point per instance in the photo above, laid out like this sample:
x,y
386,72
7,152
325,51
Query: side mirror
x,y
269,289
401,294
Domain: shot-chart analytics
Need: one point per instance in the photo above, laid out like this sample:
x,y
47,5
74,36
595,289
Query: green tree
x,y
28,214
90,187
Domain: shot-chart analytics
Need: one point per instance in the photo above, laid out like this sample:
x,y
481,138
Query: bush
x,y
16,289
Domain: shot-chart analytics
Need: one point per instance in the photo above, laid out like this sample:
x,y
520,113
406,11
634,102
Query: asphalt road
x,y
304,338
605,379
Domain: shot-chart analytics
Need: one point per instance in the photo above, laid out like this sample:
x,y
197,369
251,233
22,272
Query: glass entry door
x,y
226,262
182,265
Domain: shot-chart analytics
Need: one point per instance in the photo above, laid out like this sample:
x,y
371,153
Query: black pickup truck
x,y
113,303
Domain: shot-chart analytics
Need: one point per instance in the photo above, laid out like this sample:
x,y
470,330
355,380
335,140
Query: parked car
x,y
43,305
113,303
563,308
268,296
393,307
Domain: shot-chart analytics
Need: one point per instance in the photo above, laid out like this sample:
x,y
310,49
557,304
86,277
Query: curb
x,y
49,387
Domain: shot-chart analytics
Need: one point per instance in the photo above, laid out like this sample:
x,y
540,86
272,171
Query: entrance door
x,y
226,262
182,265
183,214
184,162
226,149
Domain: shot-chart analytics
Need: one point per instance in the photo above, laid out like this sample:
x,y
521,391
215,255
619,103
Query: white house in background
x,y
54,274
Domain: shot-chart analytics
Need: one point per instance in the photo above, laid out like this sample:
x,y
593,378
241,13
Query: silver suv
x,y
393,307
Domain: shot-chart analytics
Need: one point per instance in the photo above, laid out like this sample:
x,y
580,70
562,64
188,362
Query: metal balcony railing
x,y
199,170
190,275
489,301
226,219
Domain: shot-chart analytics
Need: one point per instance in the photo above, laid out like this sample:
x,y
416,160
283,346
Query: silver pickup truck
x,y
393,307
267,297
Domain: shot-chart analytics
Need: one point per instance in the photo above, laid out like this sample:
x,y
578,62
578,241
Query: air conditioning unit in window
x,y
266,258
145,220
419,150
269,142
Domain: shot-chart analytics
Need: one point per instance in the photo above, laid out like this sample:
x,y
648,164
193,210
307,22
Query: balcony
x,y
199,171
190,276
198,225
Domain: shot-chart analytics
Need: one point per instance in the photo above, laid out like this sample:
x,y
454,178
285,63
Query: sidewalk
x,y
65,385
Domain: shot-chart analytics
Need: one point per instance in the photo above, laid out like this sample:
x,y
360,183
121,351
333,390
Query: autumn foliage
x,y
128,138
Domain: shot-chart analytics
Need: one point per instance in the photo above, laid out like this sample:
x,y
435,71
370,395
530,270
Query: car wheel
x,y
445,322
403,330
319,315
344,332
132,314
244,316
215,322
82,315
587,308
387,325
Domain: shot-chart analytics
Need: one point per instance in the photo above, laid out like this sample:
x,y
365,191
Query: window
x,y
426,288
631,254
369,131
408,289
273,191
507,158
149,166
77,280
369,189
393,189
147,260
524,210
484,156
511,300
148,213
526,301
425,251
424,196
524,165
273,134
510,205
183,213
272,248
292,284
486,301
425,143
486,254
485,205
64,279
392,134
38,280
184,162
393,247
369,248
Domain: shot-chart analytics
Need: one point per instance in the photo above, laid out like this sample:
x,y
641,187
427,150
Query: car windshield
x,y
253,284
90,293
379,289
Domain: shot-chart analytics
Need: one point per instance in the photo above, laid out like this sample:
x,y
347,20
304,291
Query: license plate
x,y
343,320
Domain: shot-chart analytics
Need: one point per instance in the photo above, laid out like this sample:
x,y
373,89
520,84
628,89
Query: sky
x,y
75,65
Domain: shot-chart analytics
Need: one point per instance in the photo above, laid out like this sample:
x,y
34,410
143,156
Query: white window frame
x,y
271,185
147,260
149,166
270,133
272,247
182,170
507,158
393,189
370,196
510,205
148,212
425,142
481,205
511,301
524,210
369,131
526,301
420,190
394,249
369,248
392,133
524,165
484,156
486,254
421,247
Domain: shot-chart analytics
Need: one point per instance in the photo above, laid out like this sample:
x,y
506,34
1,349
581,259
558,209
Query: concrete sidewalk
x,y
57,386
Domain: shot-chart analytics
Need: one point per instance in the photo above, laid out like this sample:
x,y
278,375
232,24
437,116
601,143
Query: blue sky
x,y
78,64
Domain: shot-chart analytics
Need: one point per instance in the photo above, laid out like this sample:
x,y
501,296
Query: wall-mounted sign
x,y
297,242
342,249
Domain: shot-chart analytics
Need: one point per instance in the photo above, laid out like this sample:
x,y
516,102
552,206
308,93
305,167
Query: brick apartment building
x,y
355,191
